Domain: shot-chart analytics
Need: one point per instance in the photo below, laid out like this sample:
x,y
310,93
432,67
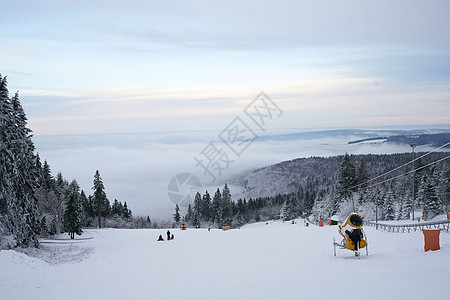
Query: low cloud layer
x,y
138,168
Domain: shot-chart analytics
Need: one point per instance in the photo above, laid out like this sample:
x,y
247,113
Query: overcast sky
x,y
155,66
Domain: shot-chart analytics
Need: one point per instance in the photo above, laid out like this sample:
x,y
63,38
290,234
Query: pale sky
x,y
156,66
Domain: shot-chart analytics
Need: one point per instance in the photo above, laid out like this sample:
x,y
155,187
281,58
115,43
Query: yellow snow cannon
x,y
354,237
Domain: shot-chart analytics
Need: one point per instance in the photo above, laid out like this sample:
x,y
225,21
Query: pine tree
x,y
216,213
284,211
432,205
346,180
73,214
239,218
61,194
86,209
293,207
388,208
176,215
99,197
420,175
206,206
257,217
226,207
89,210
189,215
308,201
196,220
321,208
240,205
363,195
405,212
45,195
117,208
47,180
362,175
126,213
420,194
197,204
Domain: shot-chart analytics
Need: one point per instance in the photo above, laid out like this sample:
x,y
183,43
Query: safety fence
x,y
443,225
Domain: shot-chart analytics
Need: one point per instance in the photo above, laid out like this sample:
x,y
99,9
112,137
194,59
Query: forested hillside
x,y
313,173
321,187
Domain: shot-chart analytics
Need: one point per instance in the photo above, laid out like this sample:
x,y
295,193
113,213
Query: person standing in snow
x,y
168,235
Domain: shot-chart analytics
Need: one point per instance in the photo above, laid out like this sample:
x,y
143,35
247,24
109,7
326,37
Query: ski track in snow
x,y
258,261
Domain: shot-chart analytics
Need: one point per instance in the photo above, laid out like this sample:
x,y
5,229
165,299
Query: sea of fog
x,y
138,167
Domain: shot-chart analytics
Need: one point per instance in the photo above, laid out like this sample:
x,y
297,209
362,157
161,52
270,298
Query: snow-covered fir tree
x,y
284,211
189,218
196,220
226,207
126,213
308,200
176,215
240,218
346,180
321,209
362,175
293,207
388,210
206,206
405,213
432,206
73,214
197,204
216,214
100,198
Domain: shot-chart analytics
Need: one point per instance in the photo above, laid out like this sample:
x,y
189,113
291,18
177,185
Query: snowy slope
x,y
258,261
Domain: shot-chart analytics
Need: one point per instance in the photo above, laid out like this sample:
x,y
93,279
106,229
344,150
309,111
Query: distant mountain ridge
x,y
434,140
364,134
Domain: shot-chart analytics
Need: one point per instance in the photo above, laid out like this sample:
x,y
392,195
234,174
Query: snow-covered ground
x,y
258,261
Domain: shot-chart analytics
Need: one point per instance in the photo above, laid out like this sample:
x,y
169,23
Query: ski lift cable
x,y
393,170
398,176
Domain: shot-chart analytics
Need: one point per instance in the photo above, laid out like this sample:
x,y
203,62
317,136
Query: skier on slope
x,y
168,235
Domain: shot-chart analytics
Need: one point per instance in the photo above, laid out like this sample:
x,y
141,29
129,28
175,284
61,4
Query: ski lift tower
x,y
413,180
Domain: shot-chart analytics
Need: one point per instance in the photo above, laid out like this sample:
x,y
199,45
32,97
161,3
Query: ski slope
x,y
258,261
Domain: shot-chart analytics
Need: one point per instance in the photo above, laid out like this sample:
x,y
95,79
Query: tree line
x,y
33,203
220,209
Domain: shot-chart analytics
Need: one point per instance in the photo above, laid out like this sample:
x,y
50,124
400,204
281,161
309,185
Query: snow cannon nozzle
x,y
355,220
